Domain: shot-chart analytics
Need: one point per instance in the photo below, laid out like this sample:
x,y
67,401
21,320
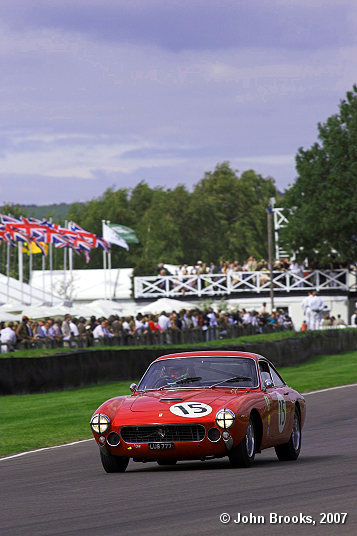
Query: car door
x,y
285,406
270,423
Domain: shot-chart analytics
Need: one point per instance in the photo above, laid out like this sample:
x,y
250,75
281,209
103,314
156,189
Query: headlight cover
x,y
100,423
225,418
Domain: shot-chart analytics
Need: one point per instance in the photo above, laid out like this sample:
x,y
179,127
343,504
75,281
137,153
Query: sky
x,y
99,94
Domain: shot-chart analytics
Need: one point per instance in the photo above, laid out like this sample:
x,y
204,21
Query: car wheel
x,y
166,462
243,454
114,464
291,449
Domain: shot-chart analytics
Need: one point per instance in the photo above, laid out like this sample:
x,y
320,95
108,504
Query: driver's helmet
x,y
176,370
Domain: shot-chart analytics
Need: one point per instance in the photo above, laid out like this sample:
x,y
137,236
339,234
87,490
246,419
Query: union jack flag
x,y
5,236
94,240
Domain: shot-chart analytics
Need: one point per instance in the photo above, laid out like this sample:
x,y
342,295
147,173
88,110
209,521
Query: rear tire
x,y
291,450
114,464
243,454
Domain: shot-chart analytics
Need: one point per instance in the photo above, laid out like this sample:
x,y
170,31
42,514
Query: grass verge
x,y
42,420
43,352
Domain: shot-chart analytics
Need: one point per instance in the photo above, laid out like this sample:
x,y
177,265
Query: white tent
x,y
86,285
165,304
5,316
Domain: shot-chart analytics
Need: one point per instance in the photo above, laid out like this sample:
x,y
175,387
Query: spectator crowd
x,y
165,328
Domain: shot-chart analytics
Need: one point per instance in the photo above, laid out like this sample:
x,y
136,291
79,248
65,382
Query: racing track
x,y
65,492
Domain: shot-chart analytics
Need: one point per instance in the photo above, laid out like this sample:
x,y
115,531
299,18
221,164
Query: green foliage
x,y
58,211
323,222
224,217
227,215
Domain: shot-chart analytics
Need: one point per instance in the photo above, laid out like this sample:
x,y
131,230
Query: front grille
x,y
163,434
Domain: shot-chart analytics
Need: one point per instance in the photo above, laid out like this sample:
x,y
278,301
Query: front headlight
x,y
100,423
225,418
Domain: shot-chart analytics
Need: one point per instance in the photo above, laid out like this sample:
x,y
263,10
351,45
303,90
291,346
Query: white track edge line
x,y
92,439
330,389
46,448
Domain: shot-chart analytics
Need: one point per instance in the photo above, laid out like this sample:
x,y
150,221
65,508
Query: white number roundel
x,y
191,410
281,412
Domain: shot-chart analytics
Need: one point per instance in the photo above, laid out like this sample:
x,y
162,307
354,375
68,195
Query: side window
x,y
264,371
278,382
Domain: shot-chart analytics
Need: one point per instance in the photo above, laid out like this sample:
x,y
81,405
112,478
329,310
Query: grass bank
x,y
276,336
33,421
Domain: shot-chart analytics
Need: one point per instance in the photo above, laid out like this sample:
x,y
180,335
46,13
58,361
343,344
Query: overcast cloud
x,y
100,93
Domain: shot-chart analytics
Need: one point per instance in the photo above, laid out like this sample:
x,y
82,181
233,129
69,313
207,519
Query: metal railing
x,y
171,336
172,286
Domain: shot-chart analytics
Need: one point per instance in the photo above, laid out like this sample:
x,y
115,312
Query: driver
x,y
175,371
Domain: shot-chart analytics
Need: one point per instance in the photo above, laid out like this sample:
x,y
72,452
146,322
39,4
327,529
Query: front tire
x,y
291,450
113,464
243,454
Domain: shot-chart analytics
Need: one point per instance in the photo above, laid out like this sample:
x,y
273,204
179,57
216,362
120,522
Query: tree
x,y
228,215
323,199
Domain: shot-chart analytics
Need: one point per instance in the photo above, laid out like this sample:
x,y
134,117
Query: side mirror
x,y
268,383
133,387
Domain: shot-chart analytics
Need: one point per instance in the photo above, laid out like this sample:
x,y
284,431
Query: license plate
x,y
160,446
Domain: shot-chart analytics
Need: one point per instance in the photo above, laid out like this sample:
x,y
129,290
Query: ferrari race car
x,y
201,405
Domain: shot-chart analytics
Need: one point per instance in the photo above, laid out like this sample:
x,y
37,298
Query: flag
x,y
113,238
33,247
128,234
90,238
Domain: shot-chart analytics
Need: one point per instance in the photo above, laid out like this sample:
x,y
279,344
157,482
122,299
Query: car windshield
x,y
192,372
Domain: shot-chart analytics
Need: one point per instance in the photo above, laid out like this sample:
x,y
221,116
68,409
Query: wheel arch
x,y
258,426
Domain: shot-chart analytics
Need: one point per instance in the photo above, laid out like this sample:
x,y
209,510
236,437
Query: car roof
x,y
211,353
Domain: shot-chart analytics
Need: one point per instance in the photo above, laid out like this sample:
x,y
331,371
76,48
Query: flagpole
x,y
21,270
30,274
65,266
104,265
51,266
43,276
109,265
8,272
70,256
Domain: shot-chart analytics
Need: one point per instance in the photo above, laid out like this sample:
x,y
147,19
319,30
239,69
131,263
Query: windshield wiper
x,y
180,382
189,380
234,379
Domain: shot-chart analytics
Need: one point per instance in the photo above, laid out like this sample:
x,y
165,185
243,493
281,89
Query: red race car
x,y
201,405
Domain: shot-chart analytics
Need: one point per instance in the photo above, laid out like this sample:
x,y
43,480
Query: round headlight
x,y
100,423
225,418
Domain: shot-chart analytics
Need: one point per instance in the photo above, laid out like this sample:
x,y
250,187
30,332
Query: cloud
x,y
114,92
191,24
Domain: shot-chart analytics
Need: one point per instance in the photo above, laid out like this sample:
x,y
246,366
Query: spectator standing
x,y
354,319
8,338
212,323
306,306
58,335
66,328
317,306
73,327
165,325
102,331
24,332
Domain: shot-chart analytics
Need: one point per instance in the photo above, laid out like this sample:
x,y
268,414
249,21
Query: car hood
x,y
158,401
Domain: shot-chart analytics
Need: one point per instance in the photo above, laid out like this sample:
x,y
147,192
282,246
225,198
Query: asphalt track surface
x,y
65,492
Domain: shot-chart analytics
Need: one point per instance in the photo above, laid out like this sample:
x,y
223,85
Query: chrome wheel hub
x,y
249,439
295,435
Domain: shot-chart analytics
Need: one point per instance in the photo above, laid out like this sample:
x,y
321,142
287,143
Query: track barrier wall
x,y
96,366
